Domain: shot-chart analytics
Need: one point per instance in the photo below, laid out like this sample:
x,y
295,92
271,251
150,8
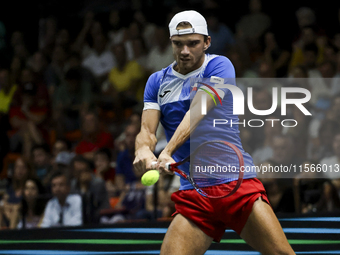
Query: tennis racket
x,y
213,163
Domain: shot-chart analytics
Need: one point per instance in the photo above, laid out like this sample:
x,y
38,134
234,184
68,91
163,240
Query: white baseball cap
x,y
197,21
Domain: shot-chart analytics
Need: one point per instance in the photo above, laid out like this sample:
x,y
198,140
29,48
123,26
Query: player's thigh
x,y
184,237
263,231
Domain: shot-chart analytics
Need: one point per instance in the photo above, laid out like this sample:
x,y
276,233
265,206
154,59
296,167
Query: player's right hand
x,y
143,160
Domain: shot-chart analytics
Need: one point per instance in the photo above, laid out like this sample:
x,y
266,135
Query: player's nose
x,y
185,50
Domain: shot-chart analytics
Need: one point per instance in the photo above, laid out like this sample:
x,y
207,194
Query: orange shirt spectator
x,y
92,137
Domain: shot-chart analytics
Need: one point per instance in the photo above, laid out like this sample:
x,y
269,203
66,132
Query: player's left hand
x,y
164,158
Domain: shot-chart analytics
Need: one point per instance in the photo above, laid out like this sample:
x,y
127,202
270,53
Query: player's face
x,y
188,51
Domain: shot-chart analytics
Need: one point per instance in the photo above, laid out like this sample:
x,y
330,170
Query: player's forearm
x,y
189,123
145,140
181,134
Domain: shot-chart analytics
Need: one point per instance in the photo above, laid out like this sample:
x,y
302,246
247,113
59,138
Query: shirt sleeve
x,y
47,220
221,68
151,91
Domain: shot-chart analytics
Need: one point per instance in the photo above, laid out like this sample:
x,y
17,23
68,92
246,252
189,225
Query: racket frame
x,y
174,168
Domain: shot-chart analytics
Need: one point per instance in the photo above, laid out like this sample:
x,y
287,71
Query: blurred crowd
x,y
71,109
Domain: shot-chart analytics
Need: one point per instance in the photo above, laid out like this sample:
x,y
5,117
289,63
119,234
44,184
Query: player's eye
x,y
194,43
176,43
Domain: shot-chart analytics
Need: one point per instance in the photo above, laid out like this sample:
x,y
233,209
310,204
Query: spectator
x,y
64,209
131,203
327,70
330,199
117,30
140,52
38,63
101,60
22,170
20,50
63,39
334,159
3,45
55,71
336,41
71,100
28,76
74,62
284,152
298,132
14,193
165,207
126,79
132,33
92,137
279,186
60,145
299,55
252,26
160,56
7,91
333,112
124,169
80,42
91,188
299,72
17,38
323,146
103,168
41,160
262,100
47,34
61,163
33,204
275,54
241,63
221,35
147,28
28,121
272,128
16,67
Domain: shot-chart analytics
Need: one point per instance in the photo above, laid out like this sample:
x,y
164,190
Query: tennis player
x,y
198,220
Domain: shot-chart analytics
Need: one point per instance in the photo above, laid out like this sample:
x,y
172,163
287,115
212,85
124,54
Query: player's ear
x,y
207,42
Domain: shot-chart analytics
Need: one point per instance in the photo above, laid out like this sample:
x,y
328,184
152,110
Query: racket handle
x,y
167,166
153,164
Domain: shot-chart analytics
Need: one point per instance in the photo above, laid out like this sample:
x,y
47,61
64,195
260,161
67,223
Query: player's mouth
x,y
185,59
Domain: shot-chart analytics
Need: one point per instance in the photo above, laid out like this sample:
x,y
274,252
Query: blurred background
x,y
72,76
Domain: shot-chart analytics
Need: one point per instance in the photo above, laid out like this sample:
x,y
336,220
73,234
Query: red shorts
x,y
214,216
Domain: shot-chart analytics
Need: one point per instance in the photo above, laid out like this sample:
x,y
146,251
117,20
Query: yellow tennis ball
x,y
150,177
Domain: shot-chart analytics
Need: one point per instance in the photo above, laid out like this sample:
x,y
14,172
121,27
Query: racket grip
x,y
167,166
153,164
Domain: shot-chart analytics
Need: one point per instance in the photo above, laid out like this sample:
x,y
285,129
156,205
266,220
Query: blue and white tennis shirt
x,y
169,92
